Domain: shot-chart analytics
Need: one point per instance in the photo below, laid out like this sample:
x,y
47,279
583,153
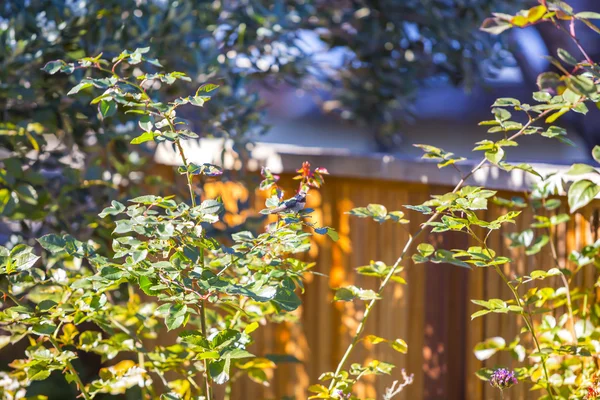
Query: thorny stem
x,y
201,307
526,314
73,372
411,240
10,296
141,357
188,175
207,380
142,350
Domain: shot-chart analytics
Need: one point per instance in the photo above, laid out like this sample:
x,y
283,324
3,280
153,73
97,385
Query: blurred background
x,y
349,85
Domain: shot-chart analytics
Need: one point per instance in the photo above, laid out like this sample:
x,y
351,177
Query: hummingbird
x,y
291,205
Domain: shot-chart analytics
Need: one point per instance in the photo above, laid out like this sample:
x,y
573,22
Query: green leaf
x,y
53,243
22,258
251,328
144,137
479,314
523,167
488,348
596,153
581,85
319,389
352,292
557,115
198,101
333,235
495,155
587,15
44,329
425,249
400,346
176,316
537,245
373,339
115,209
219,371
501,114
107,108
287,299
580,169
146,123
79,87
207,87
566,57
581,193
111,273
421,208
123,226
211,206
506,101
542,96
53,67
38,373
548,81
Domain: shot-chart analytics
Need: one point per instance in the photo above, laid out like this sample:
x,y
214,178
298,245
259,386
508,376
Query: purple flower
x,y
340,394
503,378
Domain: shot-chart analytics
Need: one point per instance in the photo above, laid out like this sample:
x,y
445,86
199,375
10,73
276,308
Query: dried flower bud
x,y
593,391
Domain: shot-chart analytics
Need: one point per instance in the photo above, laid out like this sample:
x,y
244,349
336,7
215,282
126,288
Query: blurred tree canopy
x,y
369,57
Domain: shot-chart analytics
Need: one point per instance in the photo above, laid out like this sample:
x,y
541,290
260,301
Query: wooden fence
x,y
432,312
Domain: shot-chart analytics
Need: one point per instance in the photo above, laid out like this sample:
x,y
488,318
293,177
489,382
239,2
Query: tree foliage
x,y
61,152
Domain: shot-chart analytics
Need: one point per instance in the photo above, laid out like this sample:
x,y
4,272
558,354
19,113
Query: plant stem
x,y
201,307
141,363
529,322
73,371
10,296
371,304
566,285
407,246
207,380
187,174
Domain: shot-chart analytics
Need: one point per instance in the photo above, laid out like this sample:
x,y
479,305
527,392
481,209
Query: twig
x,y
398,387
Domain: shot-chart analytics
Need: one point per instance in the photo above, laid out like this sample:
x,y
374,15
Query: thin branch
x,y
407,247
73,371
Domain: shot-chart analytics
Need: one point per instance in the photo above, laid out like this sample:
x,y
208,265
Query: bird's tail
x,y
277,210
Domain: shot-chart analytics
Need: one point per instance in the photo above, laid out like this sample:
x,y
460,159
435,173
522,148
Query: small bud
x,y
593,391
503,379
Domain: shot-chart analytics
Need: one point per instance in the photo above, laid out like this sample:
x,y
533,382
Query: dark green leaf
x,y
581,193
